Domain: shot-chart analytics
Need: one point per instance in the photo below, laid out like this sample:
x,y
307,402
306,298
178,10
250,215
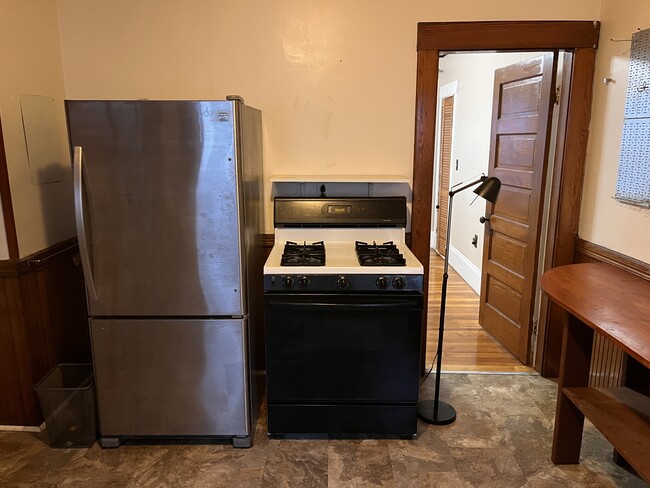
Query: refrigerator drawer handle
x,y
81,227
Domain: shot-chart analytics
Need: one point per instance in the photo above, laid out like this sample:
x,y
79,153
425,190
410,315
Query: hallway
x,y
467,346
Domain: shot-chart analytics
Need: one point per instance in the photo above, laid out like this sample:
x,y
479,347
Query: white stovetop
x,y
340,255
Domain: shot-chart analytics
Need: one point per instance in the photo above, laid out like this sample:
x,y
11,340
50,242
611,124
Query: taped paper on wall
x,y
42,139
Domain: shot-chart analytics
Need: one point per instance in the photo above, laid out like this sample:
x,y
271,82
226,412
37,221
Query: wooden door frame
x,y
580,38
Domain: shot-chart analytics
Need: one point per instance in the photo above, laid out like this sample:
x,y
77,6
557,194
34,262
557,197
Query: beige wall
x,y
605,221
31,64
335,80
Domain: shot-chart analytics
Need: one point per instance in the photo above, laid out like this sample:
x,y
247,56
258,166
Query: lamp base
x,y
446,413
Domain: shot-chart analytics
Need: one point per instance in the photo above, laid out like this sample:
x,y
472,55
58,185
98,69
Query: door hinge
x,y
534,327
558,93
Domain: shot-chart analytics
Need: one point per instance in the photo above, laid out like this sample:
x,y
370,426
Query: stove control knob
x,y
343,282
287,282
399,282
303,281
382,282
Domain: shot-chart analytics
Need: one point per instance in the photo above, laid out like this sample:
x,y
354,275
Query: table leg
x,y
577,344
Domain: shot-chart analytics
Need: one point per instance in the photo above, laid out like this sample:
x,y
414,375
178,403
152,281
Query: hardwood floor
x,y
467,346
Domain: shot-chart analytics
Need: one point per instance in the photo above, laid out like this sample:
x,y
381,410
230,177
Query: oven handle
x,y
407,303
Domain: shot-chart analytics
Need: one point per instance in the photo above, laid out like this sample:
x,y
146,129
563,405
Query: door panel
x,y
160,186
502,297
515,202
516,150
509,253
508,227
518,154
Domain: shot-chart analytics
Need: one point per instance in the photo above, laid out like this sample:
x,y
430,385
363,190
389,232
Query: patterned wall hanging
x,y
633,183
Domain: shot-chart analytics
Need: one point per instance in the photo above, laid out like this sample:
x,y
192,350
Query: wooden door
x,y
521,116
446,124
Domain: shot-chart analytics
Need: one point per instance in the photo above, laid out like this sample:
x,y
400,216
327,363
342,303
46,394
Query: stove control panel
x,y
333,283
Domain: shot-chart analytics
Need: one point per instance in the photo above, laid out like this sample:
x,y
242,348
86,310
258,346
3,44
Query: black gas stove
x,y
343,311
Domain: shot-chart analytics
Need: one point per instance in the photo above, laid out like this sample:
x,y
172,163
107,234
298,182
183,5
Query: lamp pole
x,y
434,411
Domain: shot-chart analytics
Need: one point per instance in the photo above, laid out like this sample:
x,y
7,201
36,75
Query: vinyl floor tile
x,y
501,438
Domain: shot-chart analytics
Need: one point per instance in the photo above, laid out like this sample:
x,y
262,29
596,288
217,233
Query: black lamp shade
x,y
489,189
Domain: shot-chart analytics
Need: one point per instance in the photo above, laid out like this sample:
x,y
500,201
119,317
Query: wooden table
x,y
602,298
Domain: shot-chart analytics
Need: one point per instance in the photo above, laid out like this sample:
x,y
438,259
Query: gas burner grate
x,y
386,254
303,254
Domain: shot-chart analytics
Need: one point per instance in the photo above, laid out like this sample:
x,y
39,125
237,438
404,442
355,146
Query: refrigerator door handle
x,y
81,227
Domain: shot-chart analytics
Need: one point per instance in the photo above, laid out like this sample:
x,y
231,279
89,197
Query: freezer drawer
x,y
171,377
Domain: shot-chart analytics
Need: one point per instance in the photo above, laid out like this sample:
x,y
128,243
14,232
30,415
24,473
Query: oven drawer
x,y
324,349
342,419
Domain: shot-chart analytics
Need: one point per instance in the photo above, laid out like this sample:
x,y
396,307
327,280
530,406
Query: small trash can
x,y
67,399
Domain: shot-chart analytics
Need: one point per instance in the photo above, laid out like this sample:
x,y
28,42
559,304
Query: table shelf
x,y
623,416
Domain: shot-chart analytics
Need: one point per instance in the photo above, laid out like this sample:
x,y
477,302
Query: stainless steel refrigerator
x,y
168,200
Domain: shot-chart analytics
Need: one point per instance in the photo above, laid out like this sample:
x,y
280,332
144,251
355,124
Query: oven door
x,y
343,348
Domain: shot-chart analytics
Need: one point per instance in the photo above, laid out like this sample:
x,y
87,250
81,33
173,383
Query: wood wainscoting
x,y
42,323
608,362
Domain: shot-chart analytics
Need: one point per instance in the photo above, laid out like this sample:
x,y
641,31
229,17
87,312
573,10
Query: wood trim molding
x,y
425,126
554,198
572,169
577,37
7,205
267,240
566,198
595,252
15,267
423,162
507,35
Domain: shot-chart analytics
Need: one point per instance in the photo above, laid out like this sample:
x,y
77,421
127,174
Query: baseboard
x,y
22,428
465,268
586,251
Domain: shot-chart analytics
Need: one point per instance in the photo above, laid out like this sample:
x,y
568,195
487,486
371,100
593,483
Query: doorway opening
x,y
579,41
468,113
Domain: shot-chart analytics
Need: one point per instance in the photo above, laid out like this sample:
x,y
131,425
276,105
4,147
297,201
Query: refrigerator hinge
x,y
236,98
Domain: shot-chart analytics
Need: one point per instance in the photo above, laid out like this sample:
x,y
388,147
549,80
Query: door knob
x,y
483,220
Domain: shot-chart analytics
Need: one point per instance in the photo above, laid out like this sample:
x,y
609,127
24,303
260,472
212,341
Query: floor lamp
x,y
434,411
